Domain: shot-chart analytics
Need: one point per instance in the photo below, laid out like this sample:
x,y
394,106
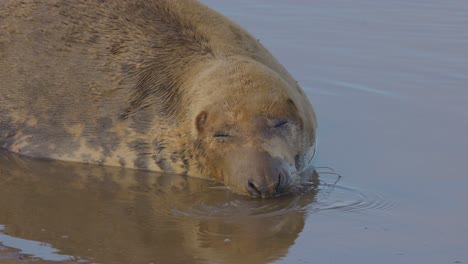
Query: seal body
x,y
150,84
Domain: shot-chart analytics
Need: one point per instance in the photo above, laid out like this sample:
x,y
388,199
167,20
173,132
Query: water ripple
x,y
347,199
231,206
221,204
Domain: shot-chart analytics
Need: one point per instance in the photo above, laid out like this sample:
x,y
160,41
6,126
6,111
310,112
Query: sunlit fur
x,y
146,84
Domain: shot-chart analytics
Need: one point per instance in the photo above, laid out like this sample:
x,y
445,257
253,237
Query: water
x,y
389,82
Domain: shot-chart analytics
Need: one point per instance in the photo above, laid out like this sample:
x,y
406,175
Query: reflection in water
x,y
113,215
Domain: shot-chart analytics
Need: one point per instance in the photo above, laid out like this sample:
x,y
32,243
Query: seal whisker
x,y
328,168
329,172
313,154
219,188
308,182
336,181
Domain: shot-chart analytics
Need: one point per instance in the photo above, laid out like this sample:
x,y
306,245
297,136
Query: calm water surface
x,y
389,82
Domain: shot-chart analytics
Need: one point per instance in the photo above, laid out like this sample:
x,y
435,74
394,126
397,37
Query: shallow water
x,y
389,82
58,211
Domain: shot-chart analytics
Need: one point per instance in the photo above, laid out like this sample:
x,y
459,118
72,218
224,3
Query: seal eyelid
x,y
221,135
281,123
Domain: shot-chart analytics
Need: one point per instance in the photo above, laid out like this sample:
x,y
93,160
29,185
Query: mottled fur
x,y
123,82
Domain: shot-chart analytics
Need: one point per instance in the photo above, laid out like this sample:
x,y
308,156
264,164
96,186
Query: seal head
x,y
255,130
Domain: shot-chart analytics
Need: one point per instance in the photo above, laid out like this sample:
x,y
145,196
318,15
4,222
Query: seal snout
x,y
257,173
268,186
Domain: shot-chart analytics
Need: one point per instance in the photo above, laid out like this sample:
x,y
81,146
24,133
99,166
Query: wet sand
x,y
389,82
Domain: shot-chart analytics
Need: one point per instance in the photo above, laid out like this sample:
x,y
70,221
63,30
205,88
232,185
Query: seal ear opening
x,y
200,121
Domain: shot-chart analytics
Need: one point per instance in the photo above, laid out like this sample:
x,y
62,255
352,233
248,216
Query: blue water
x,y
388,80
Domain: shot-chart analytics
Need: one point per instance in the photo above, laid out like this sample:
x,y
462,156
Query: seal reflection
x,y
115,215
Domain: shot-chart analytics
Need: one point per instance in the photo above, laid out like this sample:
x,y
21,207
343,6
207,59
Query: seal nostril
x,y
253,190
280,184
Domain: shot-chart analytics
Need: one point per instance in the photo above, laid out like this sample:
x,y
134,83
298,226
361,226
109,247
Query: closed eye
x,y
221,135
281,123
